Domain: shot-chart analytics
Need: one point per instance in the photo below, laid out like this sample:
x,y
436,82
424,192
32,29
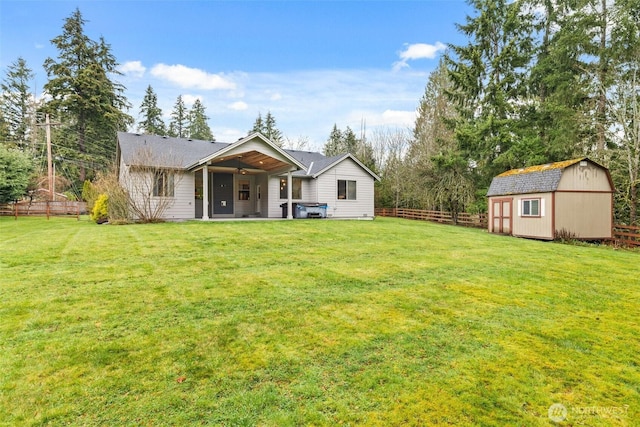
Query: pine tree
x,y
17,103
198,127
349,141
151,123
333,146
258,125
84,98
267,127
271,131
434,153
489,77
179,120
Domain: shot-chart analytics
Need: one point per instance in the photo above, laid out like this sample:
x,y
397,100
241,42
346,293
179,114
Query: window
x,y
163,184
346,190
531,207
296,190
243,189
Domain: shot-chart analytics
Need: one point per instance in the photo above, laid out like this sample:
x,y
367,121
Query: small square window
x,y
163,184
346,190
531,207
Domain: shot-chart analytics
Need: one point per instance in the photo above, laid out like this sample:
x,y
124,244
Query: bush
x,y
15,170
89,194
100,211
117,204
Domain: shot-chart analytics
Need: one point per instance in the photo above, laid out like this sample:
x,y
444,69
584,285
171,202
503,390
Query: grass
x,y
288,323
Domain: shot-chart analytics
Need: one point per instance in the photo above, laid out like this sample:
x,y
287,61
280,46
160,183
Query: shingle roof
x,y
533,179
180,153
162,151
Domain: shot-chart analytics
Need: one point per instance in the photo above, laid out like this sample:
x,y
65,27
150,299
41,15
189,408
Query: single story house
x,y
573,198
252,177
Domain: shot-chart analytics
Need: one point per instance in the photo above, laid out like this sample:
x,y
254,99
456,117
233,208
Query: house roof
x,y
163,151
254,158
180,153
533,179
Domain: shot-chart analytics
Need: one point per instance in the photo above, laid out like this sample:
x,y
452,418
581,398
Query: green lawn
x,y
288,323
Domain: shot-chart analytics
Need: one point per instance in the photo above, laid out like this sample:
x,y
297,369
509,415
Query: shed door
x,y
501,214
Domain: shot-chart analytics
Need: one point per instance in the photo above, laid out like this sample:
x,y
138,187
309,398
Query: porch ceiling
x,y
254,159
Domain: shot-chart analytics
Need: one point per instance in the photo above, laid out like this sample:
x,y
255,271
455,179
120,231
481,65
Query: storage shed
x,y
571,198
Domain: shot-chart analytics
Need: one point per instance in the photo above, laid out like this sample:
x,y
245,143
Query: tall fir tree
x,y
489,77
271,130
443,178
198,126
342,142
18,105
258,125
91,106
334,143
178,126
267,127
151,123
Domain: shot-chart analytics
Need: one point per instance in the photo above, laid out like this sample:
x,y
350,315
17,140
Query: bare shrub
x,y
150,181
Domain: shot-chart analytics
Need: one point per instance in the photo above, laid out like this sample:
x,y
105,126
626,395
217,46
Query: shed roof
x,y
533,179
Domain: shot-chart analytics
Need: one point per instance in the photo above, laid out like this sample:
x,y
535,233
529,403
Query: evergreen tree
x,y
151,123
178,126
349,141
334,144
198,127
434,152
271,131
258,125
267,127
340,142
85,99
17,103
489,77
15,170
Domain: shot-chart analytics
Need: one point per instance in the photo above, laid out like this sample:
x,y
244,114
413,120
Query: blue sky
x,y
311,63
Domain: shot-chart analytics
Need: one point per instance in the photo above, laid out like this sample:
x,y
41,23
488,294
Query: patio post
x,y
205,192
289,196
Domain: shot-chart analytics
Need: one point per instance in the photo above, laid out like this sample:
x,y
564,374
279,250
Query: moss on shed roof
x,y
539,168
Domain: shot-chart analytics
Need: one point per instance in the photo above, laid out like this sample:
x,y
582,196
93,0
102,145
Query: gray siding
x,y
327,188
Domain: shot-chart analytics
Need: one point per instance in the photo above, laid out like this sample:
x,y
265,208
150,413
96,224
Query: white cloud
x,y
190,99
310,102
238,106
133,68
398,118
191,78
418,51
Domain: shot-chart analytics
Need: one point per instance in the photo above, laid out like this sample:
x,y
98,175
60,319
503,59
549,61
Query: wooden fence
x,y
44,208
626,235
463,218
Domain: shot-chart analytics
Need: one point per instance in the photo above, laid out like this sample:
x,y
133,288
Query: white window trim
x,y
540,213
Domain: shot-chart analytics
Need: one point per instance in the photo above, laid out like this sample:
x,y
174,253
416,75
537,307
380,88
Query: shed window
x,y
346,190
163,184
296,188
530,207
